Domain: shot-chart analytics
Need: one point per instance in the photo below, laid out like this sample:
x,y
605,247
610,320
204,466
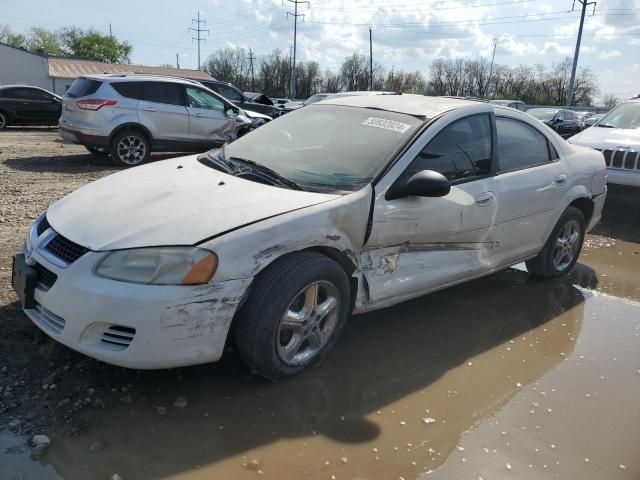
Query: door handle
x,y
485,199
199,115
149,109
560,179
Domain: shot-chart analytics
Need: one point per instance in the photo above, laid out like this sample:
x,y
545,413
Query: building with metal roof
x,y
22,67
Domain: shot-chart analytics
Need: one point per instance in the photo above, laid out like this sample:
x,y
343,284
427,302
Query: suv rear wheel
x,y
3,120
130,148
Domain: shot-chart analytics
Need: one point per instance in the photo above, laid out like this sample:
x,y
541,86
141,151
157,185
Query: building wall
x,y
60,85
18,67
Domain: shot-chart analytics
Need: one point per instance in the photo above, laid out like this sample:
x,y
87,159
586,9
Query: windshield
x,y
315,98
542,114
626,115
327,147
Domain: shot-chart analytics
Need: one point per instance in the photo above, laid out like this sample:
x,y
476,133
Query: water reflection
x,y
457,356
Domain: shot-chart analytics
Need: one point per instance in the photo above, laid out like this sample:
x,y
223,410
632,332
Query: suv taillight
x,y
94,104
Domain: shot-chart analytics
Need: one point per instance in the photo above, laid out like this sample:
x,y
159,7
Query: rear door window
x,y
163,92
520,145
128,89
83,87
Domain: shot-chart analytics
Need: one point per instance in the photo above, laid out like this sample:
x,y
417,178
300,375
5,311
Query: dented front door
x,y
420,244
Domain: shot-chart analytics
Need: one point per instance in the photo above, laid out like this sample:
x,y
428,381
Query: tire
x,y
4,120
568,234
130,148
279,348
97,151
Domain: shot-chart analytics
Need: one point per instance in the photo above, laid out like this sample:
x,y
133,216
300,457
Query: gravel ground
x,y
43,384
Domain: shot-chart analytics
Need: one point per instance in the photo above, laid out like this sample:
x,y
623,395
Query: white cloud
x,y
606,55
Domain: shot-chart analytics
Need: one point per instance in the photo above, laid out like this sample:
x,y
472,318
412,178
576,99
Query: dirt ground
x,y
503,377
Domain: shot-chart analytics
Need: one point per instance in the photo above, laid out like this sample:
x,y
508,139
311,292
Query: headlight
x,y
159,265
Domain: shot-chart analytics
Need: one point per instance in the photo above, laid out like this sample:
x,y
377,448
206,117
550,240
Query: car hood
x,y
598,137
172,202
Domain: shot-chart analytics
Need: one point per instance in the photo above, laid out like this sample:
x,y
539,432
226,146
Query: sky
x,y
407,34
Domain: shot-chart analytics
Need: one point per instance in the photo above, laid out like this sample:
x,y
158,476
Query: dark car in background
x,y
564,122
25,105
239,99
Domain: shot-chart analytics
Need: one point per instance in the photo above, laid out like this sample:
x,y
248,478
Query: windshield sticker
x,y
386,124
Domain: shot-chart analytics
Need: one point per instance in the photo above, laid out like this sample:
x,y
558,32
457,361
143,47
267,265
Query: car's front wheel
x,y
130,148
294,315
4,121
563,247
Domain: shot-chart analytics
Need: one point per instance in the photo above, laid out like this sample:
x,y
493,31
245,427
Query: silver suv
x,y
128,115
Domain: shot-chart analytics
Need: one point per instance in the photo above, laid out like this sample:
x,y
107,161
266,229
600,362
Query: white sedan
x,y
348,205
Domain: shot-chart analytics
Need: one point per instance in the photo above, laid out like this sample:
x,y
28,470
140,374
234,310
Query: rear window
x,y
82,87
163,92
128,89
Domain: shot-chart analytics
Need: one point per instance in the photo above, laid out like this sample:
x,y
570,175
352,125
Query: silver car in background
x,y
127,116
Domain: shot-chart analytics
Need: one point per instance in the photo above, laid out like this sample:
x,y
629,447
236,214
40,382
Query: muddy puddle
x,y
504,377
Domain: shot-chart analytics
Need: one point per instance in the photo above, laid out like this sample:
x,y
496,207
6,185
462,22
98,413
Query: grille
x,y
48,321
118,337
621,159
45,276
42,226
65,249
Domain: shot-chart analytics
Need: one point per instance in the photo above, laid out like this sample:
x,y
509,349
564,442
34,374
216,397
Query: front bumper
x,y
630,178
132,325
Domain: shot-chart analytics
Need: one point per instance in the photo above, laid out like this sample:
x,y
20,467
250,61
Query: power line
x,y
198,31
295,15
584,4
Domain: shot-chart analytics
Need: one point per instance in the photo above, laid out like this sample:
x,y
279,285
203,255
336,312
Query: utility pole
x,y
370,60
198,31
493,57
295,15
110,34
584,4
177,62
253,80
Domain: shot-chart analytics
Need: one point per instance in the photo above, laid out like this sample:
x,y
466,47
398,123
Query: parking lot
x,y
500,377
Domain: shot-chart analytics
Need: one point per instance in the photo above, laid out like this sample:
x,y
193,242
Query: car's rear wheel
x,y
4,121
97,151
563,247
130,148
294,315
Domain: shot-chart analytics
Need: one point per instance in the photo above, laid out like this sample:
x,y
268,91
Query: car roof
x,y
409,104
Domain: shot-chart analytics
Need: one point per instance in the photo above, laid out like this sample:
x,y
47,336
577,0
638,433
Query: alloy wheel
x,y
131,149
566,246
308,323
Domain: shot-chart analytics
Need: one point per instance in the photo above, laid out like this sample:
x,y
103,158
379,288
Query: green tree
x,y
44,41
92,44
14,39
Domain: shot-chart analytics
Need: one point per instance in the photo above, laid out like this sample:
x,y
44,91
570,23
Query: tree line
x,y
535,85
69,42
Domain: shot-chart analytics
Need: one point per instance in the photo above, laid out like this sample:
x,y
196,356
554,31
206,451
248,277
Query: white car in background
x,y
617,136
348,205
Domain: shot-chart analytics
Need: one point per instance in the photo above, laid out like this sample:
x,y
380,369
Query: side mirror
x,y
426,183
557,120
232,112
